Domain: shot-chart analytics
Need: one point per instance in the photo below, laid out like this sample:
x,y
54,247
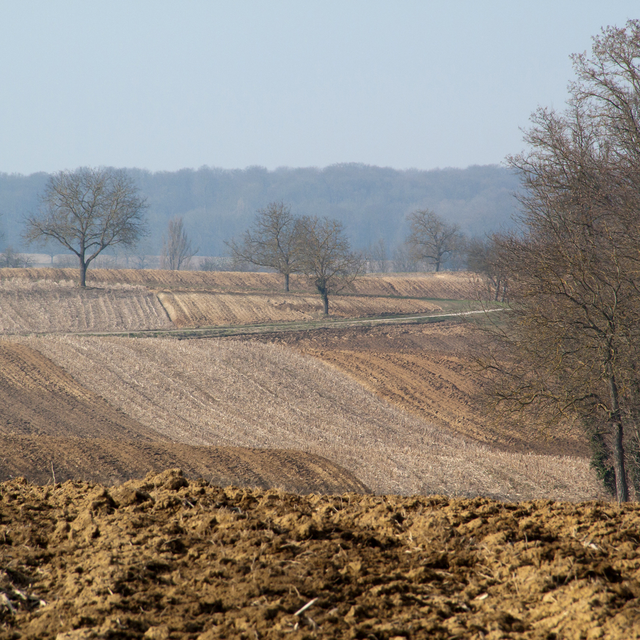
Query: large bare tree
x,y
570,344
433,239
326,257
177,248
270,242
86,211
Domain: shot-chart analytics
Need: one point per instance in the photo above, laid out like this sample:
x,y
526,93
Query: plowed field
x,y
48,301
228,393
163,558
455,285
45,307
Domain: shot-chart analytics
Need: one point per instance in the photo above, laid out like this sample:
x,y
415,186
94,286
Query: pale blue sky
x,y
165,85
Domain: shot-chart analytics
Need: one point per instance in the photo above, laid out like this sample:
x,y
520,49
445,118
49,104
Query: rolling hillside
x,y
228,393
48,301
53,429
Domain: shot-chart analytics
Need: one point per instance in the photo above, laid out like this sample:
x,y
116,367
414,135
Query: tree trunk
x,y
83,273
325,302
286,282
622,490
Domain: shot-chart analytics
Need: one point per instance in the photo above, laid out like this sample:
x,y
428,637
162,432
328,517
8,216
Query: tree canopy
x,y
432,238
326,257
86,211
270,241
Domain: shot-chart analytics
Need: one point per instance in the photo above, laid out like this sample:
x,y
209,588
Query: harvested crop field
x,y
196,309
455,285
228,393
425,369
166,559
46,459
53,428
49,307
48,300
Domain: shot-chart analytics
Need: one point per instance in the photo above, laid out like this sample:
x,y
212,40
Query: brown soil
x,y
52,427
167,559
47,307
48,301
427,370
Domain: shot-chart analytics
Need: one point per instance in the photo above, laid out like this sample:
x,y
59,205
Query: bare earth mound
x,y
425,369
51,427
43,459
226,393
163,558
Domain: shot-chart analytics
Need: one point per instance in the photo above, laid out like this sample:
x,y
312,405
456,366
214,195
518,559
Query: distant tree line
x,y
372,203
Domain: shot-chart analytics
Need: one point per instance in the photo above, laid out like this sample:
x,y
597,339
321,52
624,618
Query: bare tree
x,y
86,211
326,257
270,242
482,258
403,259
433,239
570,344
177,249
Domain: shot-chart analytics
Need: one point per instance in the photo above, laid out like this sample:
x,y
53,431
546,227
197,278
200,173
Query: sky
x,y
164,85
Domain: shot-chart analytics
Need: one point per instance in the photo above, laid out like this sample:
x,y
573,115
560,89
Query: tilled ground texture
x,y
203,309
164,558
49,308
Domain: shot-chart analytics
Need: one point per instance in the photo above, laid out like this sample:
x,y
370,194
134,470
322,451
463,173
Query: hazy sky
x,y
163,85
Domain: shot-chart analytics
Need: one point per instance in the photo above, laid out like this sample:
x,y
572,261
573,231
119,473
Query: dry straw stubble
x,y
257,395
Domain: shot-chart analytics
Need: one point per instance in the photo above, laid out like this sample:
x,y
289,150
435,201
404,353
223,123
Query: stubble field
x,y
48,300
230,393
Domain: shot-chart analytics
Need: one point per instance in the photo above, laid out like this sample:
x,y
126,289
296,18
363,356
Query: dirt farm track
x,y
331,481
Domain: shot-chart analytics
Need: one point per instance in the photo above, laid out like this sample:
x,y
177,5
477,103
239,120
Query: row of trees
x,y
315,247
569,347
89,210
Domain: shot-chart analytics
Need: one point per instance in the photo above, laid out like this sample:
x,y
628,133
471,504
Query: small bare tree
x,y
377,257
433,239
177,249
326,257
270,242
403,259
86,211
